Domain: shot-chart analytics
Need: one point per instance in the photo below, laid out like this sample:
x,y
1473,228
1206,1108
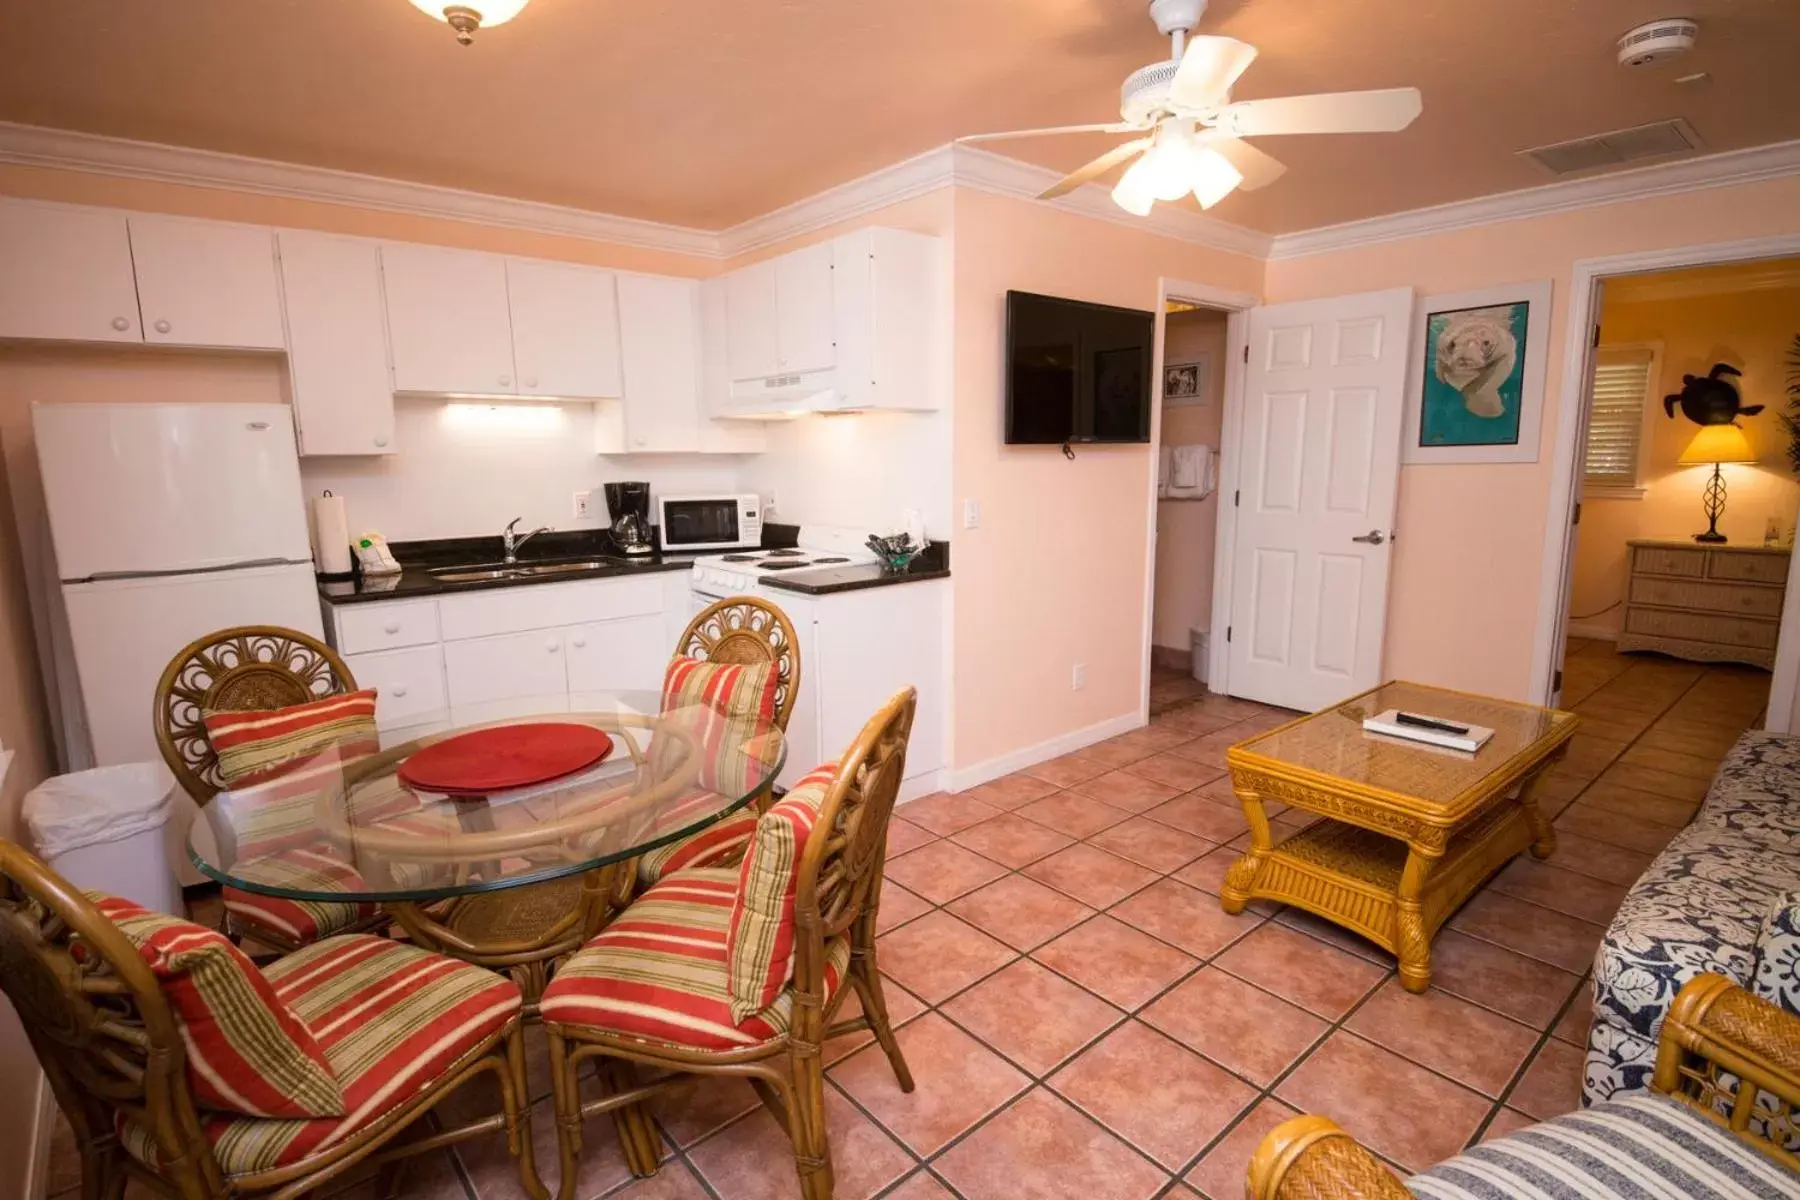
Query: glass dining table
x,y
506,844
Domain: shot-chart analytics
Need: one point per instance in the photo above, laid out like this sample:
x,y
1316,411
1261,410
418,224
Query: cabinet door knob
x,y
578,643
640,440
381,441
551,647
162,327
506,381
531,381
121,324
392,627
398,690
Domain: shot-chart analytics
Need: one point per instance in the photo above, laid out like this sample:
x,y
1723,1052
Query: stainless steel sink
x,y
466,575
563,568
481,572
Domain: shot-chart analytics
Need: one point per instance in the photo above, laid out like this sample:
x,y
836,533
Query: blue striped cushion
x,y
1643,1146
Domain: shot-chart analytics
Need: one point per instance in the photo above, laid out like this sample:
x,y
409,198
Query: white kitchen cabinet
x,y
608,657
509,675
360,628
65,273
753,332
343,395
409,685
547,606
448,322
565,329
890,290
207,283
805,339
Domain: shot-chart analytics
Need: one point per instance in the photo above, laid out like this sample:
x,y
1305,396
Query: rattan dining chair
x,y
249,668
593,1008
108,995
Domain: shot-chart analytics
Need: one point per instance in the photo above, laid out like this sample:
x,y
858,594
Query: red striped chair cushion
x,y
760,942
724,705
315,868
658,973
248,1052
392,1019
255,747
718,845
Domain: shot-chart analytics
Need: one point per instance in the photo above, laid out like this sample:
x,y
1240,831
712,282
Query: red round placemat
x,y
507,757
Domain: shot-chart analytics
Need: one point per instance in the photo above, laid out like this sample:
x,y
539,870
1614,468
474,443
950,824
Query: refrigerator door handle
x,y
245,565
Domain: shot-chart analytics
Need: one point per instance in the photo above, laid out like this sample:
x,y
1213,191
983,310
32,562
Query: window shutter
x,y
1622,381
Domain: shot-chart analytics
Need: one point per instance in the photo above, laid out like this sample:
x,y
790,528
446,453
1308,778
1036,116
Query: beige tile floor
x,y
1084,1021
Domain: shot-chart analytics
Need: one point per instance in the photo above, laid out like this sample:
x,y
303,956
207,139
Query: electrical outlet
x,y
584,505
971,514
1078,677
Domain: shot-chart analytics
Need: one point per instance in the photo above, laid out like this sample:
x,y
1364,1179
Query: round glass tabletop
x,y
346,828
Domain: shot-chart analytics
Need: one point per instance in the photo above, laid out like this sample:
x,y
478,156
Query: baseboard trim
x,y
922,784
1600,631
1170,658
962,779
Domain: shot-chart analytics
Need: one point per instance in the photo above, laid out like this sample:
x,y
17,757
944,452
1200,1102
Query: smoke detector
x,y
1657,42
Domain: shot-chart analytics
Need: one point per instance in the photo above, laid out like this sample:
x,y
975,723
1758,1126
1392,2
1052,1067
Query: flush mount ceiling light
x,y
1195,130
471,15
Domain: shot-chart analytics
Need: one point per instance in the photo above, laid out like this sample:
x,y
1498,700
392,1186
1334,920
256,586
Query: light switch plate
x,y
971,514
584,505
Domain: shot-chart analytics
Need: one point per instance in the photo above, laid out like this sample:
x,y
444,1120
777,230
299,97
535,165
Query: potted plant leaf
x,y
1790,419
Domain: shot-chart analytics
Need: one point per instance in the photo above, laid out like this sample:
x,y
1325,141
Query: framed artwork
x,y
1475,393
1185,382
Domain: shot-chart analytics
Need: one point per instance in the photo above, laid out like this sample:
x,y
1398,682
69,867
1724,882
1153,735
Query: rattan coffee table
x,y
1409,831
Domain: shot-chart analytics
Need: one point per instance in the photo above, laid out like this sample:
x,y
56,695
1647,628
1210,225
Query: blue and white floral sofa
x,y
1724,897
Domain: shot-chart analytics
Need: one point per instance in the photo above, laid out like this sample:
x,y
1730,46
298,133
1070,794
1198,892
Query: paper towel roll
x,y
331,535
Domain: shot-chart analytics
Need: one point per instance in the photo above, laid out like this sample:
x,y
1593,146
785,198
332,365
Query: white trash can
x,y
102,829
1200,641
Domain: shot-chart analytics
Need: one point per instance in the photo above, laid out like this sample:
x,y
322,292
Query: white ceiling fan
x,y
1194,130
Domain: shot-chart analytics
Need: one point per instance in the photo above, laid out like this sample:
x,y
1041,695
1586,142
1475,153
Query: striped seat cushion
x,y
762,932
315,868
1644,1145
257,746
725,706
248,1051
658,973
718,845
392,1020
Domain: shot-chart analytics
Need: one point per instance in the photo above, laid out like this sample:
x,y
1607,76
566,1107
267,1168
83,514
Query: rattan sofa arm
x,y
1311,1158
1717,1020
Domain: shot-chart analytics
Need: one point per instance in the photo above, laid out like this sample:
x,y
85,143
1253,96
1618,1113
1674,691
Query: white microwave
x,y
710,522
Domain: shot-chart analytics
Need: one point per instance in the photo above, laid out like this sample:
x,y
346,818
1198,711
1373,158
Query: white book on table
x,y
1475,737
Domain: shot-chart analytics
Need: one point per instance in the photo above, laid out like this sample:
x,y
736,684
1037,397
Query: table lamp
x,y
1716,444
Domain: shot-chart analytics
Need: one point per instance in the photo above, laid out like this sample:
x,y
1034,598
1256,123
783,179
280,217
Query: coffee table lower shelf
x,y
1391,893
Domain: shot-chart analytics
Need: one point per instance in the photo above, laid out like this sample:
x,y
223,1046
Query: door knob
x,y
506,381
162,327
531,381
580,643
551,647
380,442
391,627
398,690
1373,538
121,324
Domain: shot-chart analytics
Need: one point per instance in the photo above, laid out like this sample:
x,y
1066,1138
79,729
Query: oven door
x,y
703,523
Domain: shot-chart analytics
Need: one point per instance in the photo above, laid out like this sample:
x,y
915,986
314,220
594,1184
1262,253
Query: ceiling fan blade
x,y
1094,169
1209,67
1384,111
1114,127
1257,168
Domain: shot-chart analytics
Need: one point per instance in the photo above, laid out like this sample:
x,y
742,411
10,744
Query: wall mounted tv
x,y
1076,373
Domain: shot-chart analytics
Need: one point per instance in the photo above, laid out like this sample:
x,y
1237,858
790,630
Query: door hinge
x,y
1576,519
1556,681
1246,351
1228,633
1596,333
1237,497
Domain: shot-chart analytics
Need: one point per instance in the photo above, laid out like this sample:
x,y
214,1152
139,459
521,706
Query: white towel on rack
x,y
1192,475
1165,456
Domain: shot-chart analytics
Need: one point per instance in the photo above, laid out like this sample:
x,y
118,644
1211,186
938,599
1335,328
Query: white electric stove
x,y
738,572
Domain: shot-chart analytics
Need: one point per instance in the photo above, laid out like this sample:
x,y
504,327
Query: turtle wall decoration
x,y
1710,399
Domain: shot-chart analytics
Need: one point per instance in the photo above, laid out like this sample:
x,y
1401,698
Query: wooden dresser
x,y
1707,603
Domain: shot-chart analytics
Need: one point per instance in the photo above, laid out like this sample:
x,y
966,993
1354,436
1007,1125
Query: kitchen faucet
x,y
510,542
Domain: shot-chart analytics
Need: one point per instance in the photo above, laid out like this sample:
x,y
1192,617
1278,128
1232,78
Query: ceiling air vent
x,y
1614,149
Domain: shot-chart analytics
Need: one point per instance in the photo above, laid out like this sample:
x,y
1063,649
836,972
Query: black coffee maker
x,y
628,504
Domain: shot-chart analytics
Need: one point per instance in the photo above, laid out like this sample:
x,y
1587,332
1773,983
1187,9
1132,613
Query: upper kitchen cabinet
x,y
206,283
337,344
448,323
779,315
565,329
660,349
65,273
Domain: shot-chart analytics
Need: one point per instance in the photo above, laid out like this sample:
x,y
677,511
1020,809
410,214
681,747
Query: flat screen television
x,y
1076,372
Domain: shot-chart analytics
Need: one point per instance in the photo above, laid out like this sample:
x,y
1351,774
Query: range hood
x,y
781,397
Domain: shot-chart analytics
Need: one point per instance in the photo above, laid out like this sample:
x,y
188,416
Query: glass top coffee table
x,y
1409,830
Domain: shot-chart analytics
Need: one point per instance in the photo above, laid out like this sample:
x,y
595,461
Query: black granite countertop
x,y
933,563
418,559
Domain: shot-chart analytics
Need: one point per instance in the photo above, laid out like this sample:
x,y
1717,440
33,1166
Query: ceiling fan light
x,y
466,16
1133,192
1168,170
1213,176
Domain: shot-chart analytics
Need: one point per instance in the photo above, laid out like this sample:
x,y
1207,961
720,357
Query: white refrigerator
x,y
169,521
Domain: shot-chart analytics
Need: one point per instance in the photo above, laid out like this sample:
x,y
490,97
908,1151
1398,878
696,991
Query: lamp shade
x,y
488,13
1718,444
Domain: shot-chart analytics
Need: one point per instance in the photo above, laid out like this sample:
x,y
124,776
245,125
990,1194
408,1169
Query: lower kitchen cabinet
x,y
409,685
515,674
607,657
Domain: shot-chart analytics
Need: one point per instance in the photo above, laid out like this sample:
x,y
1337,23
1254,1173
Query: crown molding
x,y
904,180
34,146
1777,160
998,175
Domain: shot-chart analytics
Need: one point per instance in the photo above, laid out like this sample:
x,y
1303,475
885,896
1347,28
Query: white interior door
x,y
1324,393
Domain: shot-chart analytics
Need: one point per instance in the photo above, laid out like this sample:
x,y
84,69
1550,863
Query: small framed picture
x,y
1476,391
1185,382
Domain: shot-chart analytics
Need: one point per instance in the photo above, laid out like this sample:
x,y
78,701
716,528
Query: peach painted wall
x,y
1462,609
1752,330
1057,572
1187,529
